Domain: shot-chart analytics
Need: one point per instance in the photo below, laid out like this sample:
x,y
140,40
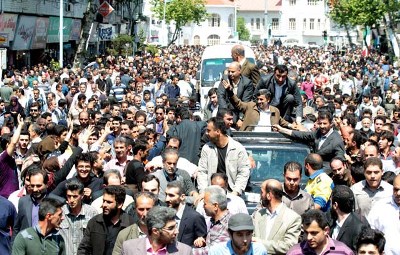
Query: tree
x,y
121,45
181,12
244,33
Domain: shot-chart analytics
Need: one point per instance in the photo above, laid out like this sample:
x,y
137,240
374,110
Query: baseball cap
x,y
240,221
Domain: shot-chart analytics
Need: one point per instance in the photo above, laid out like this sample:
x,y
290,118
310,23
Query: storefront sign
x,y
24,33
8,24
75,30
53,35
40,38
106,32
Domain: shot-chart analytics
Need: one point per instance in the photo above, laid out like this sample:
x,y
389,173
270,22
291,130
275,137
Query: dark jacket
x,y
251,71
290,88
94,237
192,226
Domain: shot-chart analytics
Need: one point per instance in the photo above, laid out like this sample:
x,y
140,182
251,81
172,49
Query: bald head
x,y
313,161
237,52
234,66
273,187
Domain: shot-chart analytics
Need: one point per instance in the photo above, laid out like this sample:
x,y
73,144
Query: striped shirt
x,y
333,247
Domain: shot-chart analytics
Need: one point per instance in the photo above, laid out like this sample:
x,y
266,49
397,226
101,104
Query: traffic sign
x,y
105,9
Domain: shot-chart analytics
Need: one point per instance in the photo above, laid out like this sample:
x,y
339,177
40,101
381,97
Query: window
x,y
258,23
252,23
312,2
292,24
213,40
263,22
196,40
319,24
312,24
214,20
292,2
275,24
304,24
230,20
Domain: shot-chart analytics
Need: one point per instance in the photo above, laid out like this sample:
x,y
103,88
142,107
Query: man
x,y
242,87
102,230
135,169
261,115
163,230
341,174
235,205
84,165
225,155
118,90
77,215
8,215
191,225
184,164
171,173
28,206
172,89
293,196
211,109
371,190
8,173
276,226
43,238
144,201
190,133
159,123
326,141
319,184
6,91
384,216
215,206
385,143
317,241
378,123
248,69
121,156
371,241
240,228
284,91
346,225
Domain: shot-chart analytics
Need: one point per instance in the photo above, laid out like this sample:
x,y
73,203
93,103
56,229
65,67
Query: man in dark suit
x,y
325,141
346,225
248,69
28,206
163,230
191,224
284,91
242,87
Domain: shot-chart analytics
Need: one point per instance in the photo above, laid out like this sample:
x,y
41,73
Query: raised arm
x,y
15,137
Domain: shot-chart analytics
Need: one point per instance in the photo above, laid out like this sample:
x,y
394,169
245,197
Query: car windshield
x,y
212,70
270,162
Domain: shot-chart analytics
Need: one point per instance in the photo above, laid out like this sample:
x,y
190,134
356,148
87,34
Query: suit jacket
x,y
332,147
349,231
290,88
138,246
251,71
128,233
24,217
191,226
245,89
284,233
252,114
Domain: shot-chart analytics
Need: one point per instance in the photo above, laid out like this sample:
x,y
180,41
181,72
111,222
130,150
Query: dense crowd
x,y
119,157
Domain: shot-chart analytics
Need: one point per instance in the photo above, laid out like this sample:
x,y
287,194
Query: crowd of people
x,y
119,157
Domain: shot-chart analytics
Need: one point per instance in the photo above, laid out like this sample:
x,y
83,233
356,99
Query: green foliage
x,y
244,33
119,45
361,12
152,49
181,11
54,65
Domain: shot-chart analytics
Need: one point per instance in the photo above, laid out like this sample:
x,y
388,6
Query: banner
x,y
53,35
24,33
8,24
75,30
4,40
40,39
106,32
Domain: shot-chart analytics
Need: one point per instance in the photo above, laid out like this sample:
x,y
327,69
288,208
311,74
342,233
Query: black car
x,y
270,151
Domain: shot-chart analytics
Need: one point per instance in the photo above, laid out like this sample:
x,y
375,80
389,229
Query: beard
x,y
112,212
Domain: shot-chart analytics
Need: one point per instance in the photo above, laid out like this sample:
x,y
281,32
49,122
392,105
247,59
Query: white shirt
x,y
264,122
384,216
338,226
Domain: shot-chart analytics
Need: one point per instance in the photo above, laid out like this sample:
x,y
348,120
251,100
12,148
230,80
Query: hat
x,y
240,221
83,80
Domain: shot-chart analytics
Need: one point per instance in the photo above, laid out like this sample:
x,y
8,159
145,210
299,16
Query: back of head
x,y
344,198
314,160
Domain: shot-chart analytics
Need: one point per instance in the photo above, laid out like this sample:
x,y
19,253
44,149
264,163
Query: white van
x,y
214,61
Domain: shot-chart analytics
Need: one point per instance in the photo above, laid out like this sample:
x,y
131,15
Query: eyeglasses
x,y
170,229
159,113
34,110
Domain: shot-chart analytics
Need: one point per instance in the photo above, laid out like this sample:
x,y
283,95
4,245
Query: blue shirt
x,y
226,249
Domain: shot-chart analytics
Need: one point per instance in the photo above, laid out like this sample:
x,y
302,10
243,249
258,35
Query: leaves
x,y
244,33
182,12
